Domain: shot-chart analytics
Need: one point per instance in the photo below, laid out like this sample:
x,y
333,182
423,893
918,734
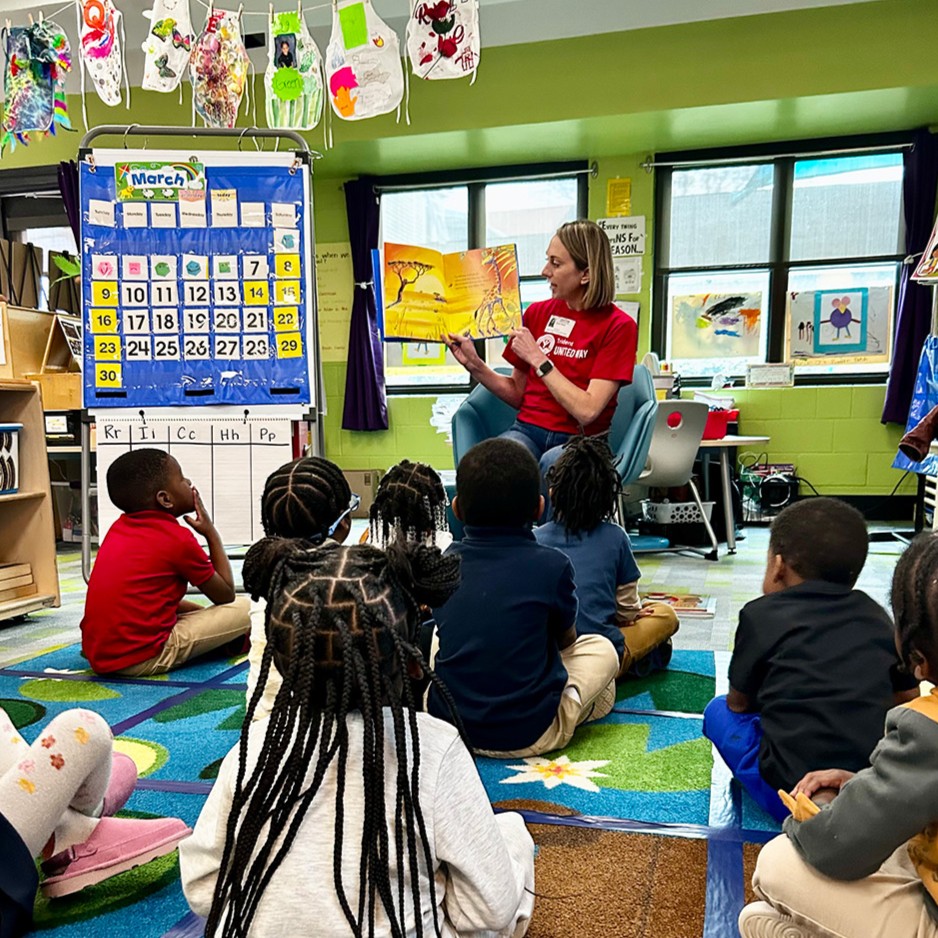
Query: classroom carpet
x,y
597,810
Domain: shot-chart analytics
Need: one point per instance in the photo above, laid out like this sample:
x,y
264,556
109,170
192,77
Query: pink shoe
x,y
122,784
115,846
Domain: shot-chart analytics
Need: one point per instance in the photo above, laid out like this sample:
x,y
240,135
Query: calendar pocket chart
x,y
212,306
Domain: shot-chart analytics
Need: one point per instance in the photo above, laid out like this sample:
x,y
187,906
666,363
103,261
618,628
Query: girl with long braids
x,y
308,499
348,811
866,864
410,505
584,488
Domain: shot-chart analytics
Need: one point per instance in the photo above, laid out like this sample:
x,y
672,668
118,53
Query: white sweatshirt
x,y
483,863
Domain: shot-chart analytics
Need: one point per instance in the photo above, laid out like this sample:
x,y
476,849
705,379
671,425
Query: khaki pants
x,y
646,633
887,904
591,663
194,634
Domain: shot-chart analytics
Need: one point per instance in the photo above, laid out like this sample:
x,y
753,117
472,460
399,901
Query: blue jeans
x,y
737,737
544,445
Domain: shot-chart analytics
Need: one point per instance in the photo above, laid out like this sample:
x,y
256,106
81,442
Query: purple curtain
x,y
366,403
913,311
68,186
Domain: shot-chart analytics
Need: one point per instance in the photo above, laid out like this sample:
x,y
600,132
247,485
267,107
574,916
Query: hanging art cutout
x,y
363,65
168,45
100,49
219,69
293,79
37,58
443,38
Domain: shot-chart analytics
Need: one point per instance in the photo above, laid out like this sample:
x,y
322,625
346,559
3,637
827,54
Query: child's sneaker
x,y
121,785
761,920
656,660
115,846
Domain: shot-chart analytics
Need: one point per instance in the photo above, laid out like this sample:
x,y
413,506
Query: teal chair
x,y
482,416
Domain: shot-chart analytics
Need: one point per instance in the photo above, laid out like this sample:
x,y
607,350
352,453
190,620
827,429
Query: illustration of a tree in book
x,y
499,263
408,272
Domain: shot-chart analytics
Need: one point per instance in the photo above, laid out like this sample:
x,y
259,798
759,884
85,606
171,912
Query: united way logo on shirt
x,y
546,343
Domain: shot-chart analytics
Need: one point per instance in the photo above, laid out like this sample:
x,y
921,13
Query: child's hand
x,y
825,778
200,521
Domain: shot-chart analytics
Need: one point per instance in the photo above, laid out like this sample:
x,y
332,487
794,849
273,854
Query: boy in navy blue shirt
x,y
815,666
508,650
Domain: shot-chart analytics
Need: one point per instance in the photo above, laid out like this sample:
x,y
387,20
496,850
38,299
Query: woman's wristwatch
x,y
544,368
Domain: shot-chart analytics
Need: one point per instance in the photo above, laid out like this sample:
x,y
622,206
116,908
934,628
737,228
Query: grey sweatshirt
x,y
893,801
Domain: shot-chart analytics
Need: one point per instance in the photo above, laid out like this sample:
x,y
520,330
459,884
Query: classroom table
x,y
724,445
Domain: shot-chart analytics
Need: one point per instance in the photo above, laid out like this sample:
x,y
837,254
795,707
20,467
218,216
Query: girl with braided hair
x,y
584,487
310,500
348,811
866,864
410,505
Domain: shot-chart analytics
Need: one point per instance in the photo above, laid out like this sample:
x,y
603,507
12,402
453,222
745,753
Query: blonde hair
x,y
589,248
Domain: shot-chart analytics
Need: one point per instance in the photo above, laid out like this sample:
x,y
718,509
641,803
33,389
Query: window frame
x,y
782,157
476,181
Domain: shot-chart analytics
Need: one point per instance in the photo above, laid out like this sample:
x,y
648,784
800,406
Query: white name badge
x,y
560,325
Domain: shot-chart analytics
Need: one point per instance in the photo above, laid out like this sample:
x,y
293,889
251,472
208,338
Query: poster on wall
x,y
626,234
717,325
846,326
197,279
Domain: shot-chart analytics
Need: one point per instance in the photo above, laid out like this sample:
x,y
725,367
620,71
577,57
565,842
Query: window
x,y
785,258
458,217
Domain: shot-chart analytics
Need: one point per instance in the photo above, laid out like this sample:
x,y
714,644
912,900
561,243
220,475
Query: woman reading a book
x,y
570,355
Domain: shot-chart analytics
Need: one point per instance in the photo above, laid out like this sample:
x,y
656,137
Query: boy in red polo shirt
x,y
136,621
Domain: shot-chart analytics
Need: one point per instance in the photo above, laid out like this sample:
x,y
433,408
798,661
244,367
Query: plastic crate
x,y
676,512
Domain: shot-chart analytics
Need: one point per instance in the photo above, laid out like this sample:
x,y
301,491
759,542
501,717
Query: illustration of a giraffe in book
x,y
493,301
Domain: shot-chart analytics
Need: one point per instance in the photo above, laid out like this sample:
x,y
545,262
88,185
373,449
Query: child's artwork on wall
x,y
443,38
927,270
717,325
428,294
851,325
363,64
293,79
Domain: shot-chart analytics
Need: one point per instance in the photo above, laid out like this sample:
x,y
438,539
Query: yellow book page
x,y
482,290
414,293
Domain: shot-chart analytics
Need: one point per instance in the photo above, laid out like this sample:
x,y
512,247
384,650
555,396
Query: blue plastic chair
x,y
482,416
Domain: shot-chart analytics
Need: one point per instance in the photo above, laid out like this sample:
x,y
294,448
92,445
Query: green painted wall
x,y
615,98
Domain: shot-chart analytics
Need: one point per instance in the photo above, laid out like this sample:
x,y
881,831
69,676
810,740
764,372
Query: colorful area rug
x,y
596,807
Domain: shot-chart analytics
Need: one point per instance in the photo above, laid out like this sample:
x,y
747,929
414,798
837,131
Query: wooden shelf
x,y
21,496
26,530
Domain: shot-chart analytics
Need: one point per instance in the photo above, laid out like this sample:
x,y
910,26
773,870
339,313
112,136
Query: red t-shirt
x,y
582,344
140,576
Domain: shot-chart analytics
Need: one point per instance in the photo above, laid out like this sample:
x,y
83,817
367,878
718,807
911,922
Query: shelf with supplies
x,y
28,573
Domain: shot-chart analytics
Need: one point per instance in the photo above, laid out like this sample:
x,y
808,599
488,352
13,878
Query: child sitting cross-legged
x,y
584,486
866,864
509,653
307,500
814,667
56,799
136,620
347,811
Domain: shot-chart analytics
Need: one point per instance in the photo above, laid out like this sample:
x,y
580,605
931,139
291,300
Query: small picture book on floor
x,y
686,605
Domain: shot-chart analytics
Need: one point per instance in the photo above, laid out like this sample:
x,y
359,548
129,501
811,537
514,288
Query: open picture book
x,y
427,294
686,605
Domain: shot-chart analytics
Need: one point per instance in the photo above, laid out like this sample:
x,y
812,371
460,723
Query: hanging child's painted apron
x,y
101,54
293,79
219,69
363,64
443,38
168,45
37,58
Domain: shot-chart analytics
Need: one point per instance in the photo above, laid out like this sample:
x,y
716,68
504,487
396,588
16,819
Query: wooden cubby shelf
x,y
26,530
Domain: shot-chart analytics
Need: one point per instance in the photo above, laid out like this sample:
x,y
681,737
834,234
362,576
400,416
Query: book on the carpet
x,y
17,592
686,605
428,294
10,570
